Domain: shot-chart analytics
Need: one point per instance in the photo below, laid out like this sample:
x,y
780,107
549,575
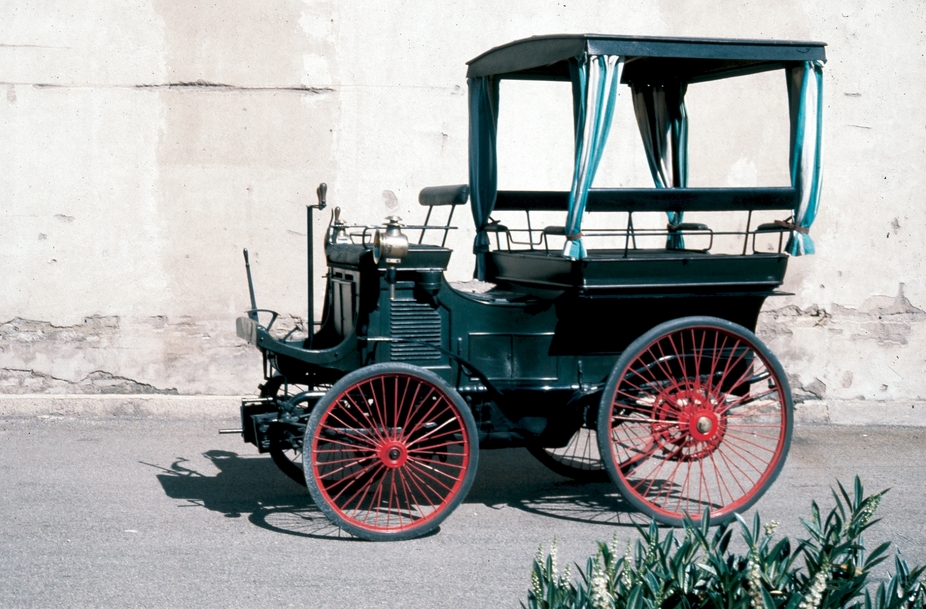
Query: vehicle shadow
x,y
513,478
252,487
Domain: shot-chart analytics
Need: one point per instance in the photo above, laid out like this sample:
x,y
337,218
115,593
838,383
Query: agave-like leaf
x,y
698,570
876,556
635,598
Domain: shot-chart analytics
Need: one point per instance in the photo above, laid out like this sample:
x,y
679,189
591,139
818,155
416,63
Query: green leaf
x,y
635,599
767,599
689,571
877,556
813,527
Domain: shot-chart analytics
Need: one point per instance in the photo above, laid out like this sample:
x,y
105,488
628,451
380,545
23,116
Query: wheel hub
x,y
694,424
393,454
703,425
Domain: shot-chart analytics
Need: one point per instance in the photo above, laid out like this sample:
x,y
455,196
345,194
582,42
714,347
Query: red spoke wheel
x,y
390,451
696,415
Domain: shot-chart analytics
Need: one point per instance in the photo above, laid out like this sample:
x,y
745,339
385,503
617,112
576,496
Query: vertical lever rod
x,y
322,193
247,267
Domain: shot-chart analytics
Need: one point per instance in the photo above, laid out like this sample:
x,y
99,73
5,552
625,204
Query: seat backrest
x,y
655,199
440,196
436,196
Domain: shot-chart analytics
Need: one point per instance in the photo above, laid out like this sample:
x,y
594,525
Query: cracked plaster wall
x,y
870,352
145,144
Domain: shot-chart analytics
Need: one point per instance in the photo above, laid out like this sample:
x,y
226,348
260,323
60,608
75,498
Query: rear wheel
x,y
390,451
697,415
286,439
579,459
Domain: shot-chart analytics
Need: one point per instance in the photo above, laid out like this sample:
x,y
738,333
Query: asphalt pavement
x,y
162,512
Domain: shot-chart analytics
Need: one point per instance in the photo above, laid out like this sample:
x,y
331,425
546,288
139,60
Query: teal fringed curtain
x,y
595,79
805,96
663,122
483,161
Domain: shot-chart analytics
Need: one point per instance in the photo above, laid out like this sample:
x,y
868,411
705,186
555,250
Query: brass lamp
x,y
391,247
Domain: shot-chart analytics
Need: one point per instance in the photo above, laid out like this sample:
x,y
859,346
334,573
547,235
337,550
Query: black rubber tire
x,y
695,393
383,429
578,460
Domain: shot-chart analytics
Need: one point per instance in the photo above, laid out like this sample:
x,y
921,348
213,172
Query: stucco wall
x,y
146,143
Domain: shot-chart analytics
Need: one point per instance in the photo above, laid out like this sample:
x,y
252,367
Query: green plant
x,y
694,568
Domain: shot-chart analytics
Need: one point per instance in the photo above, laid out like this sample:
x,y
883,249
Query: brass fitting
x,y
390,246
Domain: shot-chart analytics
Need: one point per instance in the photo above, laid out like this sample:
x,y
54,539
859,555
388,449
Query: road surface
x,y
145,512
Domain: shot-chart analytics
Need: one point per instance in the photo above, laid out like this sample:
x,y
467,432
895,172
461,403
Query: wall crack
x,y
883,319
99,382
216,86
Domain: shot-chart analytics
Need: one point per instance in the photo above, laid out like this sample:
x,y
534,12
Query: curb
x,y
820,412
165,406
910,413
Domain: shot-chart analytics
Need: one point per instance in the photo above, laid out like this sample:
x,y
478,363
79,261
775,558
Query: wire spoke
x,y
391,453
698,419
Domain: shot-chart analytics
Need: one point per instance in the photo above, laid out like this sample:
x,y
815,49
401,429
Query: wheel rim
x,y
699,420
390,453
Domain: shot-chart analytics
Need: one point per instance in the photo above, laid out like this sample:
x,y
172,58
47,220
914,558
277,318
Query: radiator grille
x,y
414,321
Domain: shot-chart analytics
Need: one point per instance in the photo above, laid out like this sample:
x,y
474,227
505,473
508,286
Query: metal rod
x,y
247,267
322,193
530,231
447,226
427,220
627,236
310,266
231,431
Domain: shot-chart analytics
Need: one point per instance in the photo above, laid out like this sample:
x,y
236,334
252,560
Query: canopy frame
x,y
659,71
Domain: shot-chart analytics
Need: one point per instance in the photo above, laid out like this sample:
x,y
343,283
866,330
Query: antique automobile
x,y
609,331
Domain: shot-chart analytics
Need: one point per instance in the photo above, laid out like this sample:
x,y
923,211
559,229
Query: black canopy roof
x,y
647,59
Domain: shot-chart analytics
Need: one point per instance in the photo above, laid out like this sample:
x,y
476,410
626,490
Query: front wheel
x,y
390,451
697,415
